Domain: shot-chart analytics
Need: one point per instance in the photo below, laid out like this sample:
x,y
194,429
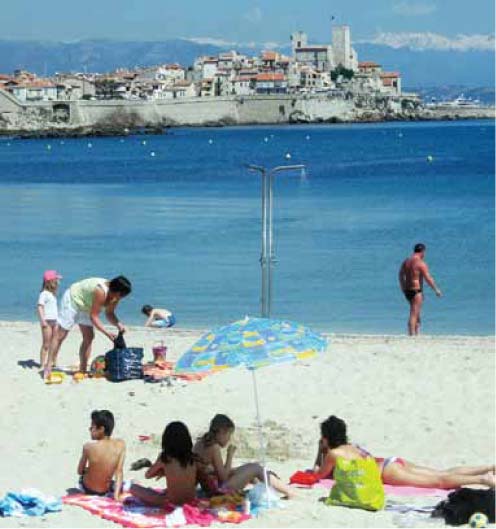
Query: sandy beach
x,y
429,399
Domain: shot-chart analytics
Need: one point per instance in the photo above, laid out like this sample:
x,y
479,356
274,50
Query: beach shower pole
x,y
267,259
270,236
263,257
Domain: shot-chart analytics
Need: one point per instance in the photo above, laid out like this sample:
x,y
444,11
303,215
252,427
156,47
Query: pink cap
x,y
50,275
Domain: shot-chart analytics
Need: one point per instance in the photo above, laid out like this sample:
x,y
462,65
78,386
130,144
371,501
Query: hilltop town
x,y
310,69
314,83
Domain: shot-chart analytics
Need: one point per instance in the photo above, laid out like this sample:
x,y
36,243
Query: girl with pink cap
x,y
48,312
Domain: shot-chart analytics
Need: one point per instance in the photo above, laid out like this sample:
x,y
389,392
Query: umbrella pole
x,y
260,435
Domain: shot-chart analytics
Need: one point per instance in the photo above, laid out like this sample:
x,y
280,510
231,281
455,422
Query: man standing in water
x,y
81,305
413,271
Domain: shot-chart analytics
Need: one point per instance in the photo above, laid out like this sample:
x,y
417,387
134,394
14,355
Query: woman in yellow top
x,y
81,304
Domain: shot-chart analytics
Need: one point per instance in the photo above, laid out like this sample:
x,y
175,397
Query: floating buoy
x,y
430,158
62,143
288,156
266,139
152,153
307,137
90,145
210,141
49,147
400,135
143,142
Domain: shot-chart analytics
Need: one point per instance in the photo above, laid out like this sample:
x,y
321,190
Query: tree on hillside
x,y
340,70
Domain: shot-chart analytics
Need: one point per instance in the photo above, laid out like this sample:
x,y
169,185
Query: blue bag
x,y
124,364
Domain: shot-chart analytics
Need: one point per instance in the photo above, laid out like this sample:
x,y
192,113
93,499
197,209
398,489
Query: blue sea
x,y
184,223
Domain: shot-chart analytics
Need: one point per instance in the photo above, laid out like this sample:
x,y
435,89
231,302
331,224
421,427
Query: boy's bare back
x,y
104,459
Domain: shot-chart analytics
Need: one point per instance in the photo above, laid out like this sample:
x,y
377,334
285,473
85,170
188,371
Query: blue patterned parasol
x,y
253,343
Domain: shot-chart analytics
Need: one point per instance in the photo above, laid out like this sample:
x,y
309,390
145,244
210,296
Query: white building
x,y
343,53
32,90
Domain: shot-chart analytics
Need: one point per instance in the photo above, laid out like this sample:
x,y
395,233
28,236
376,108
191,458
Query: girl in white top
x,y
48,312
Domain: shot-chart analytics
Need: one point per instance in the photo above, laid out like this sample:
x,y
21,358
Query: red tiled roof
x,y
269,55
390,74
36,83
270,77
368,64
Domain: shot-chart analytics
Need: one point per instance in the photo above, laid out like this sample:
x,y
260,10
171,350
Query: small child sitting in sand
x,y
394,470
102,458
158,318
48,312
177,464
217,475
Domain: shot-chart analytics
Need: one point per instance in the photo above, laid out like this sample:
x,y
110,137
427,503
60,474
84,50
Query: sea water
x,y
184,223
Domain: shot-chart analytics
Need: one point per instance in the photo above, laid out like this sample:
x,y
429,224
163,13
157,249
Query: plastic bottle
x,y
246,506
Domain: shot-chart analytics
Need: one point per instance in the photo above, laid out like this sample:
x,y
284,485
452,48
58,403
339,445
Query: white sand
x,y
430,400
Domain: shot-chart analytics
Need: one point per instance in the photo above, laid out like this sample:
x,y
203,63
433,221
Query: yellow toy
x,y
55,377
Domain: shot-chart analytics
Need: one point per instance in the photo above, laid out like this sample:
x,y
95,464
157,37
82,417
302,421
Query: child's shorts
x,y
165,322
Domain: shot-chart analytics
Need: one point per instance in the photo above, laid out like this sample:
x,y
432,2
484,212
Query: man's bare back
x,y
411,277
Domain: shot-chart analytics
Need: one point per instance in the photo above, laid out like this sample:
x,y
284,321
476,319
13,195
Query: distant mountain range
x,y
420,68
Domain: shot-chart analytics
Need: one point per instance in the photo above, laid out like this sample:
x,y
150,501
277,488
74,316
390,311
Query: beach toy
x,y
159,351
478,519
98,366
55,378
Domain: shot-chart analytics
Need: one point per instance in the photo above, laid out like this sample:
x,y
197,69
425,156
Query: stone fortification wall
x,y
205,111
113,117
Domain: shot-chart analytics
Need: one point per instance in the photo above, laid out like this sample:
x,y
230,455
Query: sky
x,y
458,22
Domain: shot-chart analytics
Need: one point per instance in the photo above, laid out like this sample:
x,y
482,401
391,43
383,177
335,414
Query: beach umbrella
x,y
252,343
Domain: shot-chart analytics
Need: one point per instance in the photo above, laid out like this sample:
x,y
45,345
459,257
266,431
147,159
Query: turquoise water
x,y
184,225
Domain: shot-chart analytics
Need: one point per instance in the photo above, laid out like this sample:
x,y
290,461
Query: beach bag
x,y
124,364
462,503
301,477
357,484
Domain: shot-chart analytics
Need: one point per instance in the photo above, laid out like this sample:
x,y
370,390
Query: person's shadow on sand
x,y
28,364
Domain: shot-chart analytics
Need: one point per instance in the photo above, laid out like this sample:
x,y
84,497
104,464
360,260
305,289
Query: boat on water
x,y
461,102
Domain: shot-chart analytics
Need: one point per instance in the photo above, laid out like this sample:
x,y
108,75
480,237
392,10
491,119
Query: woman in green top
x,y
81,304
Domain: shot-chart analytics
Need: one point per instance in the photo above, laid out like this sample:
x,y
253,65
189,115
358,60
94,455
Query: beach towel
x,y
395,490
154,372
299,479
132,513
28,502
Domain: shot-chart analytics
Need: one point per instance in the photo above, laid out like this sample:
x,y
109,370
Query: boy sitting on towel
x,y
102,458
